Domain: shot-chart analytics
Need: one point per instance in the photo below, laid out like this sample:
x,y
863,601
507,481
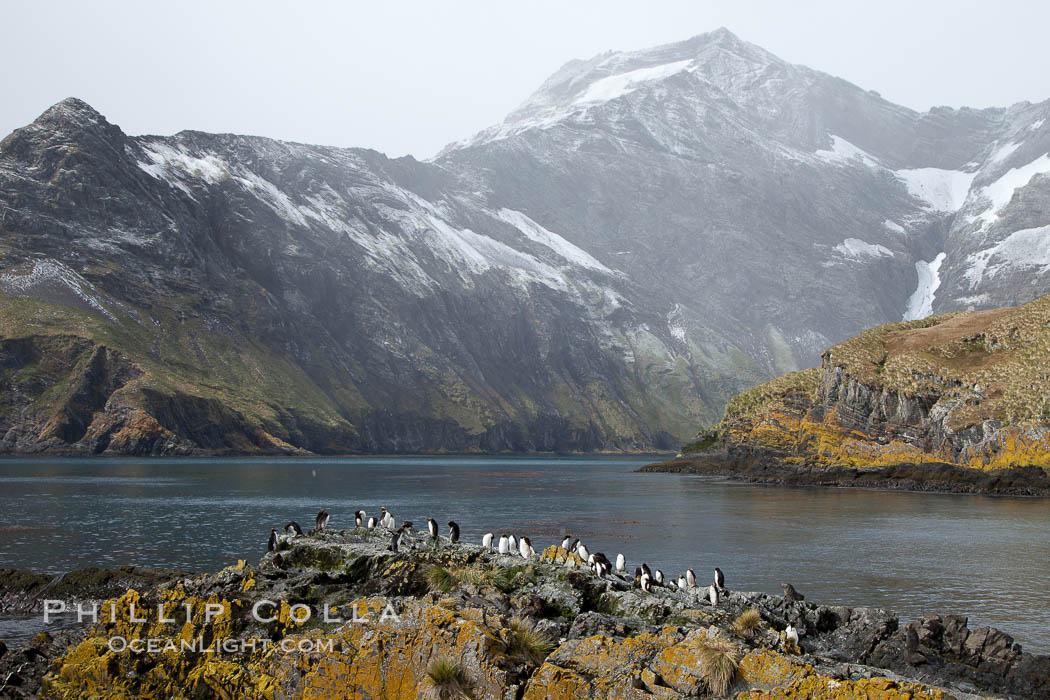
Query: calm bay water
x,y
988,558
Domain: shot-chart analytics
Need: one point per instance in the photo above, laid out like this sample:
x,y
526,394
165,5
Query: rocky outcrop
x,y
453,620
957,402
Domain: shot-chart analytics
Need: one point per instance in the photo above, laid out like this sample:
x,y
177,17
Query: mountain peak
x,y
71,120
719,59
71,111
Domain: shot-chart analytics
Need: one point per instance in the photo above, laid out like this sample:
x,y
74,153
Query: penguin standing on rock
x,y
272,546
321,522
514,546
658,576
387,520
690,578
602,565
720,579
372,523
712,595
526,548
646,570
790,593
359,518
583,553
395,539
453,531
681,582
575,545
432,526
644,583
565,542
621,563
504,544
486,541
294,528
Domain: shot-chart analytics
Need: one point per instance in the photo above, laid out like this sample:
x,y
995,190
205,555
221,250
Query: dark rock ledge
x,y
931,476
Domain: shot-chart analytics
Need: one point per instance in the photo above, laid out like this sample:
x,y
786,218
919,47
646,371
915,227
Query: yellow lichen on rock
x,y
816,687
765,669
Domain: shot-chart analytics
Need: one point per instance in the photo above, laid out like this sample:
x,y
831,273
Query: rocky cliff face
x,y
968,390
463,621
650,233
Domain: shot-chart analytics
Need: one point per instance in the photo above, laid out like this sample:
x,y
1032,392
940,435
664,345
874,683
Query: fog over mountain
x,y
649,233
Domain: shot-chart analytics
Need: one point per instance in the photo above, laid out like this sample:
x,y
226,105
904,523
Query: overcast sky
x,y
409,77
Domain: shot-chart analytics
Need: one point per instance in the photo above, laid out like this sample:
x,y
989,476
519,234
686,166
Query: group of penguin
x,y
644,578
361,519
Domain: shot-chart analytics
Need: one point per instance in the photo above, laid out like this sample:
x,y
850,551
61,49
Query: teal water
x,y
912,553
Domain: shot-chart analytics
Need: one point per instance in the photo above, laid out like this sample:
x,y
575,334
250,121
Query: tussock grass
x,y
719,660
528,642
476,574
445,679
440,579
747,622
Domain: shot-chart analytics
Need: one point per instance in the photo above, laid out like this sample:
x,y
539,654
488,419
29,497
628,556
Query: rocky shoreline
x,y
467,622
935,477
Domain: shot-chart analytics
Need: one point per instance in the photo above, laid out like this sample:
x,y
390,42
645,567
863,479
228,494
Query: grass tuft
x,y
719,660
445,679
747,622
528,642
440,580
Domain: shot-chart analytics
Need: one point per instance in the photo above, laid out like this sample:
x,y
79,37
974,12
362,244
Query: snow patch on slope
x,y
1002,190
858,249
893,226
172,164
618,85
1003,153
1027,248
549,239
920,303
842,151
942,190
47,275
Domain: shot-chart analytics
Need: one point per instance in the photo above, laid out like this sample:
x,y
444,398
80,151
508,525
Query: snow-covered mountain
x,y
647,234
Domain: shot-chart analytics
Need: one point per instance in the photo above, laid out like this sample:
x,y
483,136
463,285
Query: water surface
x,y
912,553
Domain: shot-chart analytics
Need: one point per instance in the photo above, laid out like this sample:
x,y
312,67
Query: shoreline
x,y
932,477
474,611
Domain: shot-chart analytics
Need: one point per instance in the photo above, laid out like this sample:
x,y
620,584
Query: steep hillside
x,y
269,296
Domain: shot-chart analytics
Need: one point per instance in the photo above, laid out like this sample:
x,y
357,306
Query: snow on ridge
x,y
920,303
170,163
893,226
534,232
1000,192
942,190
614,86
1036,124
1026,248
858,249
842,151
